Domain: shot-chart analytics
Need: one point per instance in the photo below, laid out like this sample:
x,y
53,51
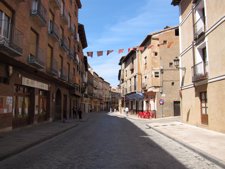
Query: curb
x,y
21,149
199,152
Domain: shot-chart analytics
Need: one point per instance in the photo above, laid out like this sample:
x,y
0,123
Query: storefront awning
x,y
135,96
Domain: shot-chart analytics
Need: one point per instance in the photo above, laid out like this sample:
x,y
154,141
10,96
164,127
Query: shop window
x,y
42,102
22,101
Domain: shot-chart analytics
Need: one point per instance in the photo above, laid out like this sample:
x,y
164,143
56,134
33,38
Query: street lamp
x,y
176,64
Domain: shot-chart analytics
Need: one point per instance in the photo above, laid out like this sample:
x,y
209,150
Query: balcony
x,y
62,76
75,90
64,16
199,29
71,54
64,44
200,72
53,30
39,13
11,41
55,4
38,60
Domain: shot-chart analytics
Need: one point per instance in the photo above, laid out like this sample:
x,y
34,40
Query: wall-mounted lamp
x,y
176,64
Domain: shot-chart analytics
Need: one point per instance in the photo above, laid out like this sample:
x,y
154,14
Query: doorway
x,y
58,105
176,106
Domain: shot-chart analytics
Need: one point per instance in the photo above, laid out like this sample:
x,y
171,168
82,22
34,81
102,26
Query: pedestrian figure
x,y
126,111
74,112
80,113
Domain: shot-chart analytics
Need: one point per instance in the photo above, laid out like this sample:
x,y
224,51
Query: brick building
x,y
41,61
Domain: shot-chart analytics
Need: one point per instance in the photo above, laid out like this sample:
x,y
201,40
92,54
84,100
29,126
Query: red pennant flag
x,y
90,54
150,46
169,44
109,51
129,49
120,51
141,48
99,53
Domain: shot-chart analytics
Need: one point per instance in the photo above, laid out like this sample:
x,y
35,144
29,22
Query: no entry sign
x,y
161,102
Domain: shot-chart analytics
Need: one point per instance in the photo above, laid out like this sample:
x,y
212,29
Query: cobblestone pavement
x,y
108,142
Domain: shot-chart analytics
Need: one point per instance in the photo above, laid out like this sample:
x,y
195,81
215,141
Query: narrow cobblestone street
x,y
107,141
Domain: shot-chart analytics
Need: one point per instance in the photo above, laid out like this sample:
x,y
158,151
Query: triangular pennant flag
x,y
90,54
120,51
109,51
99,53
169,44
141,48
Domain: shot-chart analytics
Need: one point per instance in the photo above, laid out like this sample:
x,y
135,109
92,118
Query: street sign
x,y
161,102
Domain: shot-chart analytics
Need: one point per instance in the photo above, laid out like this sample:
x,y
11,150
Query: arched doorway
x,y
58,105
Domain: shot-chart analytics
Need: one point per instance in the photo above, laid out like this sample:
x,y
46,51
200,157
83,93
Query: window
x,y
62,7
68,72
61,31
177,32
34,6
203,99
5,21
204,107
60,65
69,21
171,64
156,74
199,19
156,53
135,83
145,62
51,21
49,57
33,42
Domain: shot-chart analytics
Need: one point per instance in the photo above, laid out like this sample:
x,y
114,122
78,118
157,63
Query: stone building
x,y
41,63
202,56
160,78
149,81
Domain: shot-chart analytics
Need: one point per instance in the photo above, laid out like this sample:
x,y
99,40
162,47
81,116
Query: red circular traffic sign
x,y
161,102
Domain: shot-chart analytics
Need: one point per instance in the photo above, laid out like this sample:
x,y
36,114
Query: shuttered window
x,y
33,42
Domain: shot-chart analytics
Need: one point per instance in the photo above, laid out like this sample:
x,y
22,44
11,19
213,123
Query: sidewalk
x,y
20,139
209,144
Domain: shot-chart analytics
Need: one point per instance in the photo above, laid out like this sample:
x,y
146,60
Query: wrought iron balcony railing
x,y
199,28
53,30
38,60
11,40
200,72
64,44
39,12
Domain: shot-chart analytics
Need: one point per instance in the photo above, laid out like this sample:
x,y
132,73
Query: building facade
x,y
160,78
130,82
41,63
202,55
149,81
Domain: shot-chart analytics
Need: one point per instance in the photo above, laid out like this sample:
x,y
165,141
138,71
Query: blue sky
x,y
120,24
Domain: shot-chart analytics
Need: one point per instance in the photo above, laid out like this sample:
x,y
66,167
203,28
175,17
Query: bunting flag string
x,y
120,51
